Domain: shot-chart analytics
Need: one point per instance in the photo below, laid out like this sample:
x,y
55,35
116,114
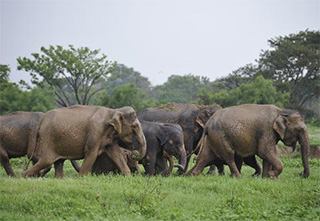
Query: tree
x,y
4,73
14,98
123,75
182,89
73,74
125,95
259,91
293,62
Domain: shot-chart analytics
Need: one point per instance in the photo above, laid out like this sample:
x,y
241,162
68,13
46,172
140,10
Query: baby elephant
x,y
108,161
162,137
163,141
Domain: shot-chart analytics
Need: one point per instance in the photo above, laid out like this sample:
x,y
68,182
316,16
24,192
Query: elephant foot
x,y
305,174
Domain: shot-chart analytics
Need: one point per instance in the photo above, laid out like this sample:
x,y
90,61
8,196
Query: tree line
x,y
287,74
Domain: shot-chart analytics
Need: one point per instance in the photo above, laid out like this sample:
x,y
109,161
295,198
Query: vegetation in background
x,y
74,74
287,75
13,98
181,89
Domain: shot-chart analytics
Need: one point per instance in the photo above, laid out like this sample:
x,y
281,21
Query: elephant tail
x,y
33,140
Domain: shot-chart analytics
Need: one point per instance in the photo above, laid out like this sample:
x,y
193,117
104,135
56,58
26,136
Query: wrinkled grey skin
x,y
252,129
162,137
250,161
190,117
17,136
108,162
84,132
163,140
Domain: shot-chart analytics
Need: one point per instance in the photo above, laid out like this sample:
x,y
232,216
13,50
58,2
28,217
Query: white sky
x,y
156,38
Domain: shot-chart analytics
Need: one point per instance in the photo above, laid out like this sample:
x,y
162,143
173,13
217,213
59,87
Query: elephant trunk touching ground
x,y
305,149
182,159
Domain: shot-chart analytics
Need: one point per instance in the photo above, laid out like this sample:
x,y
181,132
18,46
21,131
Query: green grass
x,y
314,134
163,198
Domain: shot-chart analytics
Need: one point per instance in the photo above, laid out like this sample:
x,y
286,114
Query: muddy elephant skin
x,y
251,129
84,132
163,141
17,136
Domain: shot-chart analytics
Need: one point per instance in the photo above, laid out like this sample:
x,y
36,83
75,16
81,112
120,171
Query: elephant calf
x,y
251,129
162,137
108,161
163,141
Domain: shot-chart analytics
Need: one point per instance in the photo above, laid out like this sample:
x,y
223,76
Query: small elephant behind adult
x,y
251,129
17,137
162,137
190,117
250,161
108,161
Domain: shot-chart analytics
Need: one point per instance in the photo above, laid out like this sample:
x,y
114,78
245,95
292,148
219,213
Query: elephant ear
x,y
203,117
279,125
162,136
116,122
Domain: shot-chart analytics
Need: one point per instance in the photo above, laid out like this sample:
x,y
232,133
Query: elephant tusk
x,y
179,166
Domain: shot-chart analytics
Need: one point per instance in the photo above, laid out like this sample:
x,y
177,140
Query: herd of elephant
x,y
118,140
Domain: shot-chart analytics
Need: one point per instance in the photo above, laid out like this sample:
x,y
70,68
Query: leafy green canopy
x,y
74,73
14,98
293,62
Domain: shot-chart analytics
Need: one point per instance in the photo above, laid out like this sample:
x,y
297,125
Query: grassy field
x,y
163,198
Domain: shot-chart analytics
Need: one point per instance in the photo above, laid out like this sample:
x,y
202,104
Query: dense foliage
x,y
74,73
287,75
13,98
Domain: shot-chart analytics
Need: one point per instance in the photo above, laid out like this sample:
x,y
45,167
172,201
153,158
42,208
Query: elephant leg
x,y
149,164
239,162
162,163
41,164
88,161
4,158
204,158
58,168
252,162
272,165
212,169
233,168
221,171
116,155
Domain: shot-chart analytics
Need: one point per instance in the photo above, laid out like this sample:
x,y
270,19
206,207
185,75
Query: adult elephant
x,y
162,138
84,132
190,117
17,136
252,129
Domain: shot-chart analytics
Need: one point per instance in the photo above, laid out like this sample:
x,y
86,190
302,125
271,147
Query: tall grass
x,y
204,197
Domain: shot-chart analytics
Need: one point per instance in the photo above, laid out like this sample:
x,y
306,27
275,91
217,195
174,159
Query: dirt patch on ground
x,y
314,151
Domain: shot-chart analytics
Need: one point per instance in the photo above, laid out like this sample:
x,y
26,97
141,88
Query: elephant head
x,y
171,139
291,128
129,132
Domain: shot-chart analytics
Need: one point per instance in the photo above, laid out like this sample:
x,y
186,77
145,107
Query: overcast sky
x,y
156,38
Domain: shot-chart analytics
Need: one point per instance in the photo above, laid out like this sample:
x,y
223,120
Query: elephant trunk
x,y
305,149
182,160
140,148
